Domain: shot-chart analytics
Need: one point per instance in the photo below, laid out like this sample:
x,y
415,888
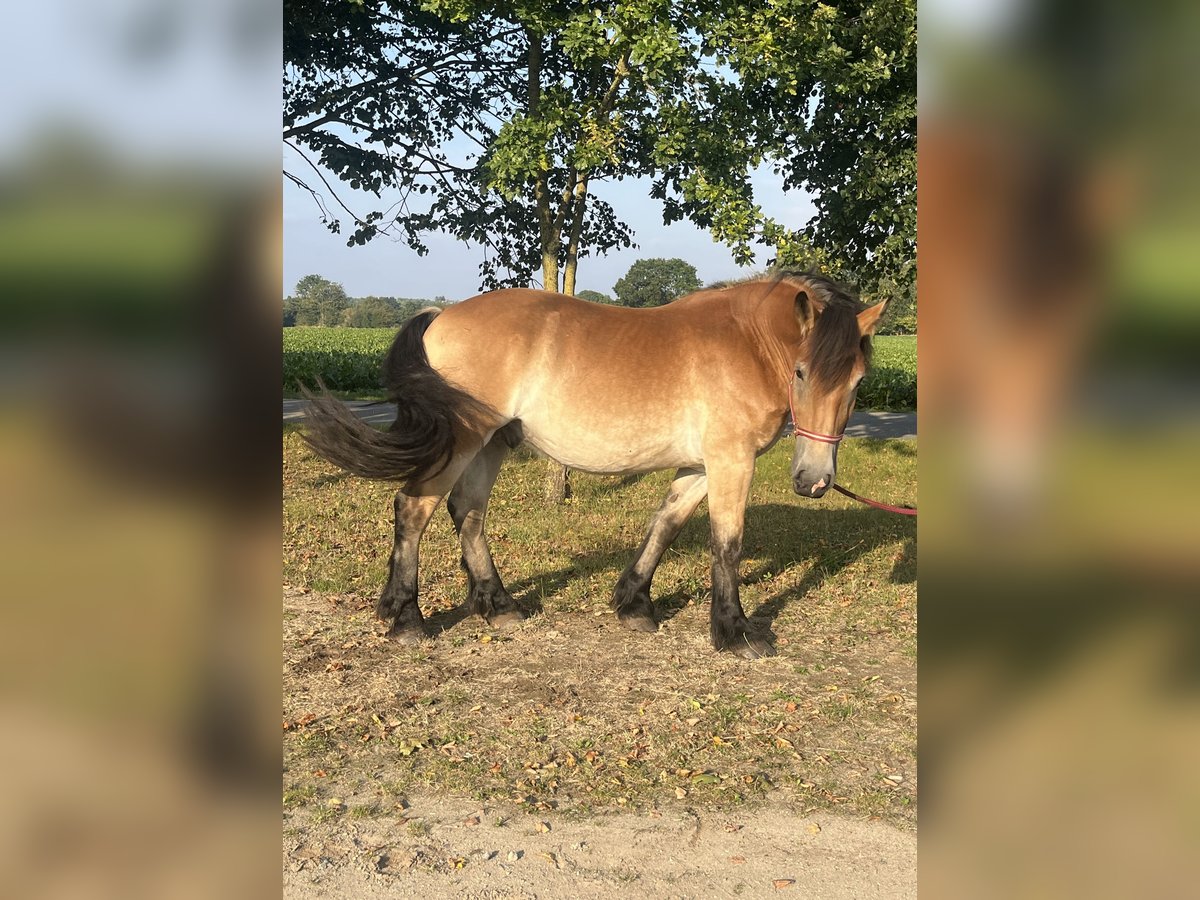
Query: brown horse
x,y
702,385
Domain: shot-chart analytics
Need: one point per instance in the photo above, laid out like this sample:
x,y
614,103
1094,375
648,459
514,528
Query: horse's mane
x,y
835,342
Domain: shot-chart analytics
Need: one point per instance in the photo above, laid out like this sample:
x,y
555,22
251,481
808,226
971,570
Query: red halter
x,y
835,439
804,432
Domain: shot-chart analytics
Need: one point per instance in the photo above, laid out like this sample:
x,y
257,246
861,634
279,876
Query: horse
x,y
702,385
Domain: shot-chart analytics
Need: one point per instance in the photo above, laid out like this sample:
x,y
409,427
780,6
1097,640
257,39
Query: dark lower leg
x,y
728,625
727,509
631,597
467,506
398,602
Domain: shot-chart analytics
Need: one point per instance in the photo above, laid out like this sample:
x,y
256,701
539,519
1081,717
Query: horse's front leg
x,y
631,598
728,490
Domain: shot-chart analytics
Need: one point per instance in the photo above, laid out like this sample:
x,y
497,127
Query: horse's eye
x,y
800,374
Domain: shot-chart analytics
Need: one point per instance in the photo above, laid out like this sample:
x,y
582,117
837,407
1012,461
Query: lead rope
x,y
798,432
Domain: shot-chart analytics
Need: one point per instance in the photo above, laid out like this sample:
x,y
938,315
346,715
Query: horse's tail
x,y
431,414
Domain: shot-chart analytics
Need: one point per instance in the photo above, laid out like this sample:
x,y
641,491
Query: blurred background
x,y
1059,245
139,499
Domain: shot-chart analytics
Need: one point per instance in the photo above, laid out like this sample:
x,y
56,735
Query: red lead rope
x,y
834,439
903,510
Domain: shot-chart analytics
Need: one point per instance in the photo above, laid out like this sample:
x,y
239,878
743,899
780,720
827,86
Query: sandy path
x,y
767,852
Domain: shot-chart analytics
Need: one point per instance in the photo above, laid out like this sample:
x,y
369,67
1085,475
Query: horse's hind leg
x,y
414,506
467,506
631,598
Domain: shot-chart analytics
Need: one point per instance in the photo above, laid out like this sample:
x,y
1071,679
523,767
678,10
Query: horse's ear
x,y
868,319
806,311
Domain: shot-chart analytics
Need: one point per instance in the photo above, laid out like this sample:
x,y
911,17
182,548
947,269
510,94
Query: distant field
x,y
348,361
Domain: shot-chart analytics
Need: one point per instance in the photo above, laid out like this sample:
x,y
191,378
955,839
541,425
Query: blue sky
x,y
387,267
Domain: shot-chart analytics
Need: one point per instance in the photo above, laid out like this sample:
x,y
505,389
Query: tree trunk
x,y
578,207
558,482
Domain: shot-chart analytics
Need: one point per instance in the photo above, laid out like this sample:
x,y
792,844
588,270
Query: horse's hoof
x,y
510,618
408,637
639,622
749,647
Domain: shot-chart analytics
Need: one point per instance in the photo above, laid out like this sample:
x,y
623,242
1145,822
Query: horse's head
x,y
833,358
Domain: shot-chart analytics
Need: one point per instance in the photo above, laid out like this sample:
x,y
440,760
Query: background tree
x,y
317,301
595,297
373,312
653,282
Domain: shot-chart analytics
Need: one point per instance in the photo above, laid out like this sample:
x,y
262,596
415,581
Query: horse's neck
x,y
773,331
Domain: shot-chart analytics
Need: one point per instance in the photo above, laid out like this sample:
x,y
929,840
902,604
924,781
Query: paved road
x,y
862,423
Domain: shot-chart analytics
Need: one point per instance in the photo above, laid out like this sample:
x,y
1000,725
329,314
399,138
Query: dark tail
x,y
430,415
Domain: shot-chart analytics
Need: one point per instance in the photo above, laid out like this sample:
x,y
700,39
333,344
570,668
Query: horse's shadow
x,y
777,537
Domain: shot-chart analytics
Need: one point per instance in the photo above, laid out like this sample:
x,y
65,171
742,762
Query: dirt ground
x,y
572,758
470,850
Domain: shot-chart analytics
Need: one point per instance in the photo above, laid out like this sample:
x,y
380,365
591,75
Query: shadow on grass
x,y
777,537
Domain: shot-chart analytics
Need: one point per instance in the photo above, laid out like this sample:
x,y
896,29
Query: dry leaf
x,y
781,883
813,828
543,827
471,820
737,860
680,793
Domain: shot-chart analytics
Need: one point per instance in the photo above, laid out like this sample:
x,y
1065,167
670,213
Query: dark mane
x,y
835,343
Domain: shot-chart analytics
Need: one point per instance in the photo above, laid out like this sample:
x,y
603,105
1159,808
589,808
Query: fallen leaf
x,y
543,827
813,828
680,793
737,860
471,820
781,883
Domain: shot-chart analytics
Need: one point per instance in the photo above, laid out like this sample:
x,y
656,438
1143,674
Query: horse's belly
x,y
595,452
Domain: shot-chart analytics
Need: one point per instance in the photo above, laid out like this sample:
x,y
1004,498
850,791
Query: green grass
x,y
348,361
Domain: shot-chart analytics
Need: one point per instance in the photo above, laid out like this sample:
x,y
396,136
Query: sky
x,y
387,267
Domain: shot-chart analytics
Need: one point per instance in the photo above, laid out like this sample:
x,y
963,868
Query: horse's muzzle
x,y
814,489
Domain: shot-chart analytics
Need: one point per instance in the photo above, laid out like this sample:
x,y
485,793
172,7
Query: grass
x,y
572,712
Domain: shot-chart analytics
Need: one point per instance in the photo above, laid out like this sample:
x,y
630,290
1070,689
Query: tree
x,y
373,312
317,301
653,282
554,97
851,109
595,297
